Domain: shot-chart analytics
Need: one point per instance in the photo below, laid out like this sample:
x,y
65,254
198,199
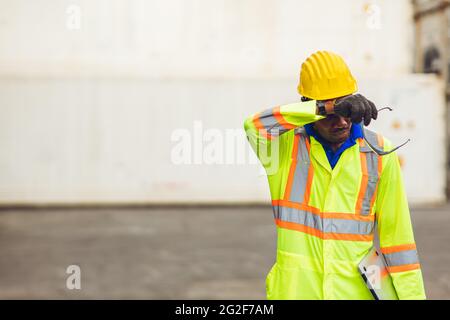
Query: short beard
x,y
341,140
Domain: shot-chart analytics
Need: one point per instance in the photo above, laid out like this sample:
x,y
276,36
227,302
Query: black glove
x,y
356,107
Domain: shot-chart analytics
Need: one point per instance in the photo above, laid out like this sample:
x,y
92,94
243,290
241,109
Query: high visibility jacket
x,y
325,217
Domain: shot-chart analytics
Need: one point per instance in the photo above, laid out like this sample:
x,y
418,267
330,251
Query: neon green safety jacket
x,y
325,217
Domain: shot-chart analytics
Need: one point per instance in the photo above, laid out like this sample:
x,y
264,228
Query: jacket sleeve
x,y
396,233
264,128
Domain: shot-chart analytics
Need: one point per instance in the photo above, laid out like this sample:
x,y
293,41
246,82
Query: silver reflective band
x,y
401,258
327,225
372,138
372,170
271,124
301,171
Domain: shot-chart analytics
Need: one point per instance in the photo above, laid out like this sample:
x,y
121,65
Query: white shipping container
x,y
95,94
116,141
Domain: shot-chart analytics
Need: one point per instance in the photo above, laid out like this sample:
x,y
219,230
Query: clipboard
x,y
373,269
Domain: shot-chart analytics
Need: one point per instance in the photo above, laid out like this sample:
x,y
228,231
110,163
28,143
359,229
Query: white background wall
x,y
200,38
89,114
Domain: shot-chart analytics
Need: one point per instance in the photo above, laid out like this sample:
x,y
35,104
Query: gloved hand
x,y
356,107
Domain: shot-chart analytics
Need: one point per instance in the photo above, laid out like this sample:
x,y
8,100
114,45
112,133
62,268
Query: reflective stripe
x,y
301,172
287,192
326,215
407,267
379,170
272,122
364,182
310,173
380,141
374,140
280,119
399,248
266,113
321,224
371,170
402,258
373,177
325,236
260,127
294,212
298,216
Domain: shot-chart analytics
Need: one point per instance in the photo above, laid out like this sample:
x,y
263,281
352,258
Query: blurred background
x,y
122,150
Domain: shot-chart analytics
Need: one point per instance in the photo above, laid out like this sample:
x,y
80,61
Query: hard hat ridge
x,y
325,75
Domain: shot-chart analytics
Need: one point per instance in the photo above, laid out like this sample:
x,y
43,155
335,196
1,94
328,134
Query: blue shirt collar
x,y
333,157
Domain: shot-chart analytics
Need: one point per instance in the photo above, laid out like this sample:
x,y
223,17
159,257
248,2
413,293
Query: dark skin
x,y
334,129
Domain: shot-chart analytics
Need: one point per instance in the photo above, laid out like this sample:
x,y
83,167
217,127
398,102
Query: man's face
x,y
334,128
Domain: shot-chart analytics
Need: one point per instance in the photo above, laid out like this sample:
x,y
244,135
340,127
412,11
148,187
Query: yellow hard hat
x,y
324,75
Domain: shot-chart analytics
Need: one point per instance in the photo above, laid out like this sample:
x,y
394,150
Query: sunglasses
x,y
375,149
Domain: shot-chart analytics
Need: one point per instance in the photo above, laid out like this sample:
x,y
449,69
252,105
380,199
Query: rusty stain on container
x,y
396,125
368,57
411,124
401,159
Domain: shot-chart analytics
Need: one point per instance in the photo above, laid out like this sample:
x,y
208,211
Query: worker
x,y
330,191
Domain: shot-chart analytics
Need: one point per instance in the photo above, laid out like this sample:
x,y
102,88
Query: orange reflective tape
x,y
308,146
287,192
380,165
348,216
299,227
320,234
309,179
380,141
309,184
325,215
364,182
403,247
258,124
260,127
295,205
280,119
348,237
406,267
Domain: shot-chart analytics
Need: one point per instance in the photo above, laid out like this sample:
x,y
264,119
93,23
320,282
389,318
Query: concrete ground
x,y
159,253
